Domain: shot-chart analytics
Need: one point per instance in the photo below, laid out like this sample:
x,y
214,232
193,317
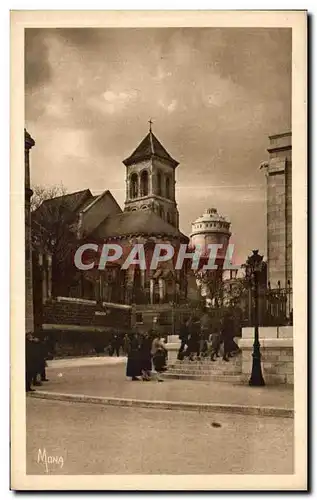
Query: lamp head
x,y
255,261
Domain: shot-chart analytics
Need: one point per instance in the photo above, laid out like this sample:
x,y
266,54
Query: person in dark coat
x,y
125,344
116,344
205,331
133,363
194,339
145,355
183,336
44,356
216,340
30,362
39,361
227,335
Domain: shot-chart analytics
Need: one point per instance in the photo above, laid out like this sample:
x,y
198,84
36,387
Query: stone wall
x,y
161,317
276,350
29,313
80,313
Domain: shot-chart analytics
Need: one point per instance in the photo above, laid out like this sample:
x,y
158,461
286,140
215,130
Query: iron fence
x,y
275,307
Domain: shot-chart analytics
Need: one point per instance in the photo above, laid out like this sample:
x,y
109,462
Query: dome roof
x,y
211,215
138,222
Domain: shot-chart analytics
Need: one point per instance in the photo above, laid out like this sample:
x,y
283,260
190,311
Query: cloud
x,y
111,102
37,67
161,74
168,106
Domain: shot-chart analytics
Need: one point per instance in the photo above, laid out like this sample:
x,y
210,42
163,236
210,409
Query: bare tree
x,y
51,212
42,193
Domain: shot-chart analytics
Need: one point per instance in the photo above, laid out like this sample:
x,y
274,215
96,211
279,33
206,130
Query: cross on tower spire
x,y
151,123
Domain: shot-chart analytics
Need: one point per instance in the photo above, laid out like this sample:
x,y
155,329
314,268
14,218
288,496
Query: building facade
x,y
278,171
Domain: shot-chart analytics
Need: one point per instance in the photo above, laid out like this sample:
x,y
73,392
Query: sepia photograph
x,y
159,312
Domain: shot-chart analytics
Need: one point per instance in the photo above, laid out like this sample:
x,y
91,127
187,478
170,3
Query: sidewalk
x,y
103,379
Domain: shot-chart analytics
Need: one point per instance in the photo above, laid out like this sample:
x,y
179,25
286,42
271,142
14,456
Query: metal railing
x,y
275,307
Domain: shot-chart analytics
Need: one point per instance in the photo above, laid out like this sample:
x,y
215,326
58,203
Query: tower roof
x,y
149,147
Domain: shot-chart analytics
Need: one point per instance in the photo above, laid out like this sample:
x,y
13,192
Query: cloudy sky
x,y
214,95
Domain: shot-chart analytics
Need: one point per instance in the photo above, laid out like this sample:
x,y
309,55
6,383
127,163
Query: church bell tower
x,y
150,180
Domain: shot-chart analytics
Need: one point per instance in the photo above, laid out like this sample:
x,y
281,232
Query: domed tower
x,y
211,228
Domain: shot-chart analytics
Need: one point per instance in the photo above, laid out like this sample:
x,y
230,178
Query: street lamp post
x,y
254,266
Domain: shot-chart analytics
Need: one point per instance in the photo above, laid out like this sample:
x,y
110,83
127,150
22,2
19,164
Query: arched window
x,y
161,212
167,187
134,186
144,183
169,218
159,183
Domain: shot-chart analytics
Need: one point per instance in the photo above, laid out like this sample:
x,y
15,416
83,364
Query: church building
x,y
149,216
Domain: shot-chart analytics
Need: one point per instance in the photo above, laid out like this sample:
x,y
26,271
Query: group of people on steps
x,y
202,337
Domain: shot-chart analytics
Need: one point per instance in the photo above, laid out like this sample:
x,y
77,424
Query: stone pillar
x,y
127,195
162,289
152,291
142,273
279,209
42,267
151,186
177,293
49,276
29,312
139,186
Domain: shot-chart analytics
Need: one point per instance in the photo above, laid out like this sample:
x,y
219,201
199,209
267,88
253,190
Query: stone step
x,y
210,366
231,378
203,361
204,372
202,366
209,362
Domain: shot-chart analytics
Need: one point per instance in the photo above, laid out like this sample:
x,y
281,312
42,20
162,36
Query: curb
x,y
264,411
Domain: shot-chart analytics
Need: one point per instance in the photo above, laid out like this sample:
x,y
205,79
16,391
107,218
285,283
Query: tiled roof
x,y
150,146
69,202
88,202
66,204
136,223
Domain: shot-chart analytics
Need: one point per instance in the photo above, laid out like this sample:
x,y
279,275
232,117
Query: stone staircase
x,y
206,370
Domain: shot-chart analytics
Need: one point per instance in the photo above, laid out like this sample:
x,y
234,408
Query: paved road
x,y
106,377
93,439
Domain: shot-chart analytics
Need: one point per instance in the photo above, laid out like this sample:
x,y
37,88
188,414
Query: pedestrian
x,y
205,330
133,362
183,336
116,344
44,355
159,356
146,356
216,340
39,361
125,344
227,334
193,340
29,362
